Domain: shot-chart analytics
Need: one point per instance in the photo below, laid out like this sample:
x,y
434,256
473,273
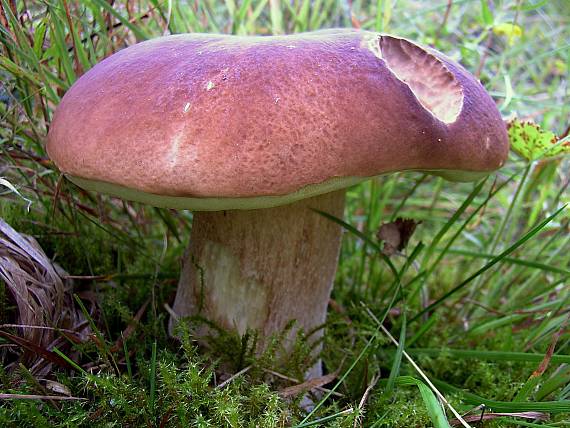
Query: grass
x,y
478,304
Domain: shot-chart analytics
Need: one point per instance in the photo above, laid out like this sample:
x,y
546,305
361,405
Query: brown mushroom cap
x,y
209,122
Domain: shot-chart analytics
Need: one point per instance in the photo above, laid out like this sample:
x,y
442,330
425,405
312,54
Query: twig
x,y
38,397
364,398
171,312
487,416
38,327
292,379
484,57
242,371
78,67
550,351
444,22
168,17
308,385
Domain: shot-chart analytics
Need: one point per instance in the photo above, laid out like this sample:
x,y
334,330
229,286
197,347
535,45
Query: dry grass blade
x,y
550,351
241,372
130,328
38,397
36,350
419,370
362,403
307,386
297,381
488,416
41,297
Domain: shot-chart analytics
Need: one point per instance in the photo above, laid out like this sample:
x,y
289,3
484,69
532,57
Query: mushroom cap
x,y
209,122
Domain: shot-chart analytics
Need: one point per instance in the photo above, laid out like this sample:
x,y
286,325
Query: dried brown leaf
x,y
307,385
42,299
396,235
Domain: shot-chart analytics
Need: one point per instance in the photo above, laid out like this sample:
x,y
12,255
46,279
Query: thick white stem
x,y
260,269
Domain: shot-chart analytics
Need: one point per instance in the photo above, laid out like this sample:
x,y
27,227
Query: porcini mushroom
x,y
252,133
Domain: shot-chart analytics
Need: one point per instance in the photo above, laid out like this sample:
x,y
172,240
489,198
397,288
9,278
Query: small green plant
x,y
531,142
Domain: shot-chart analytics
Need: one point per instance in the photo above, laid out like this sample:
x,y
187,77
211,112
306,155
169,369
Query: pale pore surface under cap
x,y
251,203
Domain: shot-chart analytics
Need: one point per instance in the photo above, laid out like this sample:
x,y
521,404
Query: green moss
x,y
404,408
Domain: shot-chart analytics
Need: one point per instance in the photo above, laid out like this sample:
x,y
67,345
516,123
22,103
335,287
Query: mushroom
x,y
256,133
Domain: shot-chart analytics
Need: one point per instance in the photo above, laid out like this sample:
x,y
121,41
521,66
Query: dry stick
x,y
292,379
242,371
171,312
364,398
444,22
94,35
308,385
550,351
38,327
484,57
133,323
492,415
37,397
78,66
565,133
5,24
419,370
4,20
21,18
168,17
34,382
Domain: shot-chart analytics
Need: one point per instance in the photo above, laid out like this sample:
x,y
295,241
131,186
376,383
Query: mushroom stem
x,y
260,269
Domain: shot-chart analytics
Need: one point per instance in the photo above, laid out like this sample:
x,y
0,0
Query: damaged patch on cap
x,y
428,78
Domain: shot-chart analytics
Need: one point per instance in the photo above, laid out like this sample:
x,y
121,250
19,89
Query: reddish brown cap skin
x,y
224,116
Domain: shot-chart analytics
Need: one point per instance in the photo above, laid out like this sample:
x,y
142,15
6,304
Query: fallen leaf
x,y
307,386
396,235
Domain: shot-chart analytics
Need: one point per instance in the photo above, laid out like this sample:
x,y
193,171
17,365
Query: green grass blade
x,y
489,265
59,45
276,15
152,380
395,371
554,407
522,262
489,355
433,407
365,238
137,30
343,377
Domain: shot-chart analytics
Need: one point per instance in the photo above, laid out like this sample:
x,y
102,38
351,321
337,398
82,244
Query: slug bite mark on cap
x,y
428,78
